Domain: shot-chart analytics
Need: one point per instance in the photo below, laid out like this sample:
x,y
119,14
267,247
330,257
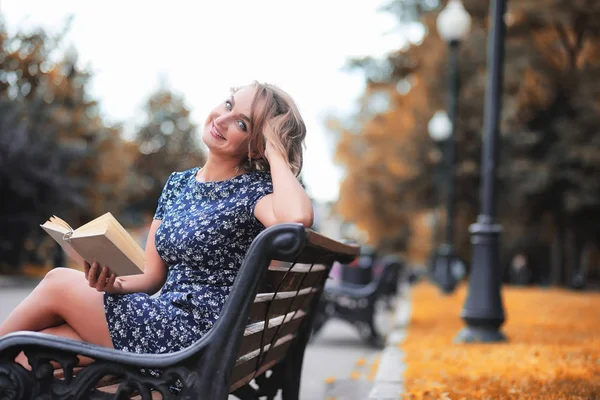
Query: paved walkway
x,y
17,282
389,380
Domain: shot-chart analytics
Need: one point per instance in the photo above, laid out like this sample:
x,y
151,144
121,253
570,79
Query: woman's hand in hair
x,y
273,145
271,151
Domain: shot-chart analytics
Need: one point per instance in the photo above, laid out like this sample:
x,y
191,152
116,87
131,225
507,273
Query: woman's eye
x,y
242,126
228,105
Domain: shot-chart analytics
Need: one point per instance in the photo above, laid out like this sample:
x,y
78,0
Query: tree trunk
x,y
580,276
574,250
557,255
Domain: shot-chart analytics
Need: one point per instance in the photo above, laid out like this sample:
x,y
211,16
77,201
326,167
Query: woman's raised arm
x,y
288,202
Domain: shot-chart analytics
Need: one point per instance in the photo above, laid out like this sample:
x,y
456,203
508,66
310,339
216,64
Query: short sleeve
x,y
167,196
259,188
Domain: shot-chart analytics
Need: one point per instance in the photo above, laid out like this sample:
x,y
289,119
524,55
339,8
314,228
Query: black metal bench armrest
x,y
12,344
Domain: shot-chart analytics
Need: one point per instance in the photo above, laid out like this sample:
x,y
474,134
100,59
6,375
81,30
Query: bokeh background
x,y
100,103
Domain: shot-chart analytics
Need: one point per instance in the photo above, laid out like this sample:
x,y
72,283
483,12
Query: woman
x,y
204,223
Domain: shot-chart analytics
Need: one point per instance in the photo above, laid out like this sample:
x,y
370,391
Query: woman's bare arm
x,y
288,202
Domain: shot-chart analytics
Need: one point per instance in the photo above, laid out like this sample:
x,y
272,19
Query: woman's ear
x,y
254,155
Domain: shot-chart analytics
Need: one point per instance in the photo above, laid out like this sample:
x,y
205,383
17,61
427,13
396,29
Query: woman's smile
x,y
215,132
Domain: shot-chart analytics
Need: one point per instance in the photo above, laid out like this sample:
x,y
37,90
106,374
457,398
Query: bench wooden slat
x,y
155,396
246,364
266,297
111,389
283,278
316,239
254,332
282,303
105,381
320,249
250,376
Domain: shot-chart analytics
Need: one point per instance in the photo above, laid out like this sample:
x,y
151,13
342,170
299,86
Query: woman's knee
x,y
60,275
58,280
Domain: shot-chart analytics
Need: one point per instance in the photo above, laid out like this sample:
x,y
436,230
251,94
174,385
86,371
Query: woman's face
x,y
227,127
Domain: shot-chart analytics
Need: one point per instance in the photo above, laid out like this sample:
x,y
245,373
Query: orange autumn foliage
x,y
553,348
550,103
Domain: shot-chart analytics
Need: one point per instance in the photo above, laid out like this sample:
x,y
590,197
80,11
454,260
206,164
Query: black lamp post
x,y
483,311
453,24
440,130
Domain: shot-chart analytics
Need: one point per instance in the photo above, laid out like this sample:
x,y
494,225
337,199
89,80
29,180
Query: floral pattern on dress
x,y
206,230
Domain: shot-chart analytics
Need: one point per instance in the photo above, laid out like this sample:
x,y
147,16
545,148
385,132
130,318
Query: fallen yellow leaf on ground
x,y
373,369
553,348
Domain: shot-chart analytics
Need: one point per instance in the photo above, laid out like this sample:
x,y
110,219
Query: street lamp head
x,y
453,22
440,126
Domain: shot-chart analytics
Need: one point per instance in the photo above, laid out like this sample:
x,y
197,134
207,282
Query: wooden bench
x,y
260,336
359,304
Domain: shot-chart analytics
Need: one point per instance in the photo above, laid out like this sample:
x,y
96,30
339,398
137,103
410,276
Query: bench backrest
x,y
284,302
284,271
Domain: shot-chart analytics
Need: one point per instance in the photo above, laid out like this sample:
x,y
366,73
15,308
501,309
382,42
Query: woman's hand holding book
x,y
102,279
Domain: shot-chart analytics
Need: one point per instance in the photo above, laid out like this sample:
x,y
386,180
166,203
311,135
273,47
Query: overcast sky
x,y
202,48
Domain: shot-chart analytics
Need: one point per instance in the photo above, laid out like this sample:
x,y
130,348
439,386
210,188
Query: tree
x,y
58,156
555,160
30,183
550,147
167,142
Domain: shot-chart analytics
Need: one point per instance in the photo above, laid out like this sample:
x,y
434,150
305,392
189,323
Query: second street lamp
x,y
440,131
453,24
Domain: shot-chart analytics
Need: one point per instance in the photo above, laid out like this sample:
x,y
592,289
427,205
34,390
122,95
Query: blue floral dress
x,y
205,232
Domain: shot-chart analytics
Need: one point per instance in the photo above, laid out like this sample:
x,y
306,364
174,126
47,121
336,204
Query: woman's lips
x,y
215,132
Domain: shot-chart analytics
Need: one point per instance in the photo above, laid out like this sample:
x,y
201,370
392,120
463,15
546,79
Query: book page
x,y
58,221
124,241
100,221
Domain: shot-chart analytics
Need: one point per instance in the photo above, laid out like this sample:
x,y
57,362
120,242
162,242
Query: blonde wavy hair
x,y
274,116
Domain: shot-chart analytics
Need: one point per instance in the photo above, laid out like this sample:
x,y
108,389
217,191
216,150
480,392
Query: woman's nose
x,y
221,120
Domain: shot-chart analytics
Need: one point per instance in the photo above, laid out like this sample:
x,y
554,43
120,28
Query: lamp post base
x,y
471,334
483,311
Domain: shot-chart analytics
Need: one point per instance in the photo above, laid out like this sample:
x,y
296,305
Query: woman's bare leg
x,y
63,296
33,313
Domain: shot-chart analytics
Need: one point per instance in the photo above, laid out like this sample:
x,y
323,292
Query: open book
x,y
103,239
